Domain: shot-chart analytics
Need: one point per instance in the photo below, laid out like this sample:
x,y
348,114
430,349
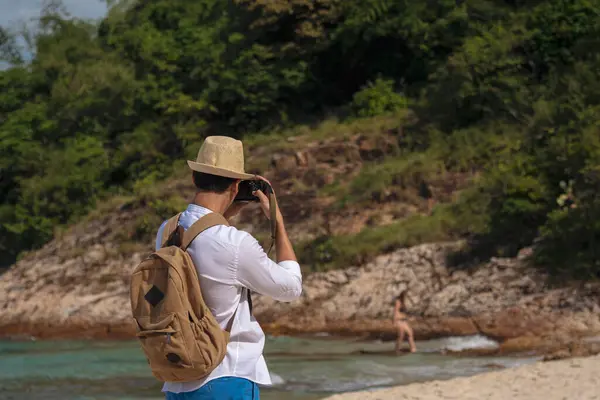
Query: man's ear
x,y
235,188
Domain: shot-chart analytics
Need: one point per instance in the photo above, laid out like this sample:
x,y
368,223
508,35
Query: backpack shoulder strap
x,y
201,225
169,228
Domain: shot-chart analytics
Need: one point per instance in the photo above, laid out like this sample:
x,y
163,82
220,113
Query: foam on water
x,y
460,343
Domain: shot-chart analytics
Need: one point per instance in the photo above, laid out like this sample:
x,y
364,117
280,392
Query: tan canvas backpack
x,y
178,333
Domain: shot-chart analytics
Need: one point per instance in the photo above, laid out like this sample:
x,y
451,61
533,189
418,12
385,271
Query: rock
x,y
376,148
447,299
302,159
284,164
317,178
444,326
335,153
574,349
94,255
525,253
525,284
521,344
557,355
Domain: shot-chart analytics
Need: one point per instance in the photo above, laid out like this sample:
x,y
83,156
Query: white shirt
x,y
229,262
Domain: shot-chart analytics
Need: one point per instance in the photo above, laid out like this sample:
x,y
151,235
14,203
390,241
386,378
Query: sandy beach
x,y
577,378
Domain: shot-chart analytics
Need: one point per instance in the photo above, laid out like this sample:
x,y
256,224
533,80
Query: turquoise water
x,y
301,368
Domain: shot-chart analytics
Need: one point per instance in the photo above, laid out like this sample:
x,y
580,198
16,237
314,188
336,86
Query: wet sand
x,y
576,378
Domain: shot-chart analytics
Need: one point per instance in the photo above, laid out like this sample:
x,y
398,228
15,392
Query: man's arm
x,y
285,251
282,280
283,245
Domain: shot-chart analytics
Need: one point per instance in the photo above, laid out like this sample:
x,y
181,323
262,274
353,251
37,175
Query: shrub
x,y
377,98
569,245
396,173
158,210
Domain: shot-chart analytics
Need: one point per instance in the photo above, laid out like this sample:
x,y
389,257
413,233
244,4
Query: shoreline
x,y
503,299
575,378
550,347
375,330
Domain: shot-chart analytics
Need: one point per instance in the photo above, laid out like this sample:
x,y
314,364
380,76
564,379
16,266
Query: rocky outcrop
x,y
503,299
77,285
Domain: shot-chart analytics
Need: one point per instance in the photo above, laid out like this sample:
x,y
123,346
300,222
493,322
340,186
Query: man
x,y
230,263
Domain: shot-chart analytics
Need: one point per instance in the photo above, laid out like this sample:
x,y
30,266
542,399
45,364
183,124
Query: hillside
x,y
76,286
451,147
502,91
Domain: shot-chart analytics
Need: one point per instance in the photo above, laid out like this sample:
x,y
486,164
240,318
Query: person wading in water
x,y
401,323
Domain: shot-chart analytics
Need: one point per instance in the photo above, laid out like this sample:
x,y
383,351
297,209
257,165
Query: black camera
x,y
248,187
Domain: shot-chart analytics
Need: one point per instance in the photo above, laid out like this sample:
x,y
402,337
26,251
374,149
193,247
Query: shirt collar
x,y
198,210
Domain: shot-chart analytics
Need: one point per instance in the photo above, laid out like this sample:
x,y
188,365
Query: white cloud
x,y
15,11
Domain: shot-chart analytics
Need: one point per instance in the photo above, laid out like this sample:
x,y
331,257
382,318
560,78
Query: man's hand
x,y
285,251
264,202
234,209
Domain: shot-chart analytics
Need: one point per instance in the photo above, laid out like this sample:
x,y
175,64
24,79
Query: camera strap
x,y
272,219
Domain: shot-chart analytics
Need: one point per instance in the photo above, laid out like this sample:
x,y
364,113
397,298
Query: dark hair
x,y
402,298
211,183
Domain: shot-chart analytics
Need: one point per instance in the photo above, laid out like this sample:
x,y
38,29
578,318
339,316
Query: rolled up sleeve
x,y
255,270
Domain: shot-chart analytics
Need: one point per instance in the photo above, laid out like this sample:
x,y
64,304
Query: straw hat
x,y
221,156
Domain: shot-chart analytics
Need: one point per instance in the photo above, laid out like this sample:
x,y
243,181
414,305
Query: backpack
x,y
179,335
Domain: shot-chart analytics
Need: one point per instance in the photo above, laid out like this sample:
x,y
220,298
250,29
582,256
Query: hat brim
x,y
209,169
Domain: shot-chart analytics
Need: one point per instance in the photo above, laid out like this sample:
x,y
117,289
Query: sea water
x,y
301,368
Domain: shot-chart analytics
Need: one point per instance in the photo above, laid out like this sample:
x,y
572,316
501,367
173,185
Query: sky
x,y
12,11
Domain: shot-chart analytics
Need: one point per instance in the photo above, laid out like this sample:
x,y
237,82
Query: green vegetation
x,y
507,92
330,252
398,172
377,98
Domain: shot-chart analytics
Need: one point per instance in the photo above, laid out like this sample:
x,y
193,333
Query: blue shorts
x,y
226,388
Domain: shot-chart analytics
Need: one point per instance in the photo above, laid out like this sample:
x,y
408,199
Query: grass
x,y
326,253
394,173
108,205
260,146
331,128
133,247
